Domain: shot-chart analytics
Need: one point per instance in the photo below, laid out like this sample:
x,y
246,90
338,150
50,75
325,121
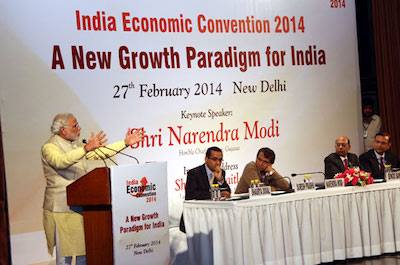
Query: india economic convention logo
x,y
140,188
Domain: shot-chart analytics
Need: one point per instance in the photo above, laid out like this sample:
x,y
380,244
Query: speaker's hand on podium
x,y
95,141
133,136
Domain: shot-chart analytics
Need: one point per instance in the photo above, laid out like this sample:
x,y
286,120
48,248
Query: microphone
x,y
317,185
107,156
120,152
307,173
101,157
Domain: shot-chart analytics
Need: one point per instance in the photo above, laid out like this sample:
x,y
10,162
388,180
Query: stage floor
x,y
387,259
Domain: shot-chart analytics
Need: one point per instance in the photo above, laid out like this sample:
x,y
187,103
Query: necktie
x,y
382,165
346,163
262,178
211,179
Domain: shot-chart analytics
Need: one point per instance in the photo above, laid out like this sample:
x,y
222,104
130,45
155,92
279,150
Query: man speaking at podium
x,y
64,161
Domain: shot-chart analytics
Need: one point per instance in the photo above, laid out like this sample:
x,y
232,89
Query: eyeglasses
x,y
341,144
381,142
215,159
264,161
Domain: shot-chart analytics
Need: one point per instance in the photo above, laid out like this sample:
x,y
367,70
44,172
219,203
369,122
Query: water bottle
x,y
253,183
214,192
257,183
218,190
388,172
308,182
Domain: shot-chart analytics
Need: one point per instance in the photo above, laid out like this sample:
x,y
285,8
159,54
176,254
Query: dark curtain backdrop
x,y
386,30
5,257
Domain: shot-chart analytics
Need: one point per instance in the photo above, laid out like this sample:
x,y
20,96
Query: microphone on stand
x,y
120,152
317,185
98,149
107,156
102,159
307,173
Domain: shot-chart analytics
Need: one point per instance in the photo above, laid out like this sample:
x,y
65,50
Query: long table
x,y
307,227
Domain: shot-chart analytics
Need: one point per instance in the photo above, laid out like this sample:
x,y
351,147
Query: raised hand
x,y
218,173
133,136
95,141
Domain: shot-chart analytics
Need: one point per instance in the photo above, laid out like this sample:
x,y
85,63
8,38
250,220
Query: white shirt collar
x,y
378,156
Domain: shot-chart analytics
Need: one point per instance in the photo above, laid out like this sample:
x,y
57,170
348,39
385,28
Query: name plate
x,y
305,186
259,191
392,175
334,183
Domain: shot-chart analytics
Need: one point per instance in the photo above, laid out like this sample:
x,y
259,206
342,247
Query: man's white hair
x,y
60,121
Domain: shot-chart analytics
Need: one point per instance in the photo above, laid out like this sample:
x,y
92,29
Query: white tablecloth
x,y
307,227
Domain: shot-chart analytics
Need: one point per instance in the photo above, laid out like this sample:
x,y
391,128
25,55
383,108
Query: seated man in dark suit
x,y
199,179
375,159
340,160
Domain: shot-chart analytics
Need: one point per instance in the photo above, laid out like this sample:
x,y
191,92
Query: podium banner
x,y
139,197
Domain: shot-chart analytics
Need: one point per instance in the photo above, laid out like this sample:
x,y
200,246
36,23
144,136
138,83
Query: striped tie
x,y
382,164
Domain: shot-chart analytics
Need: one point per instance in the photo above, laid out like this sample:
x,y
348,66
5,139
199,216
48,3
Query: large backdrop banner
x,y
240,74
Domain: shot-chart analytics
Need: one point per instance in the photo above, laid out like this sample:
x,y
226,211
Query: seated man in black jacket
x,y
199,179
340,160
375,159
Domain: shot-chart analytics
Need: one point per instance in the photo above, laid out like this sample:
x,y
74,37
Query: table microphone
x,y
317,185
307,173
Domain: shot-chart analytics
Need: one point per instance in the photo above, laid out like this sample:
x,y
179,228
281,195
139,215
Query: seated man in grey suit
x,y
375,159
340,160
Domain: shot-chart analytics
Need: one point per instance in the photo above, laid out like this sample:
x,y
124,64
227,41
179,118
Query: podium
x,y
92,192
125,214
